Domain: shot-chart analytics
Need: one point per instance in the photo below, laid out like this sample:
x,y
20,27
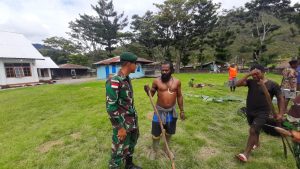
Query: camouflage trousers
x,y
122,149
296,149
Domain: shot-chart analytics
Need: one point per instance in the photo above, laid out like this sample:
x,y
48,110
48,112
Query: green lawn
x,y
66,126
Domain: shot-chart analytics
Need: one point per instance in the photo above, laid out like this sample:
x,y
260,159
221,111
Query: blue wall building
x,y
112,66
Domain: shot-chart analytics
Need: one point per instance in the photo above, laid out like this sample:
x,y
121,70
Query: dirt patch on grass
x,y
149,115
207,152
76,136
204,137
44,148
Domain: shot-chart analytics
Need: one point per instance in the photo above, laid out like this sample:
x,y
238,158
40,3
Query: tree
x,y
144,32
298,57
101,30
78,59
62,51
263,16
184,24
163,22
60,43
204,19
179,20
185,58
223,39
59,48
278,8
267,59
295,16
82,32
56,55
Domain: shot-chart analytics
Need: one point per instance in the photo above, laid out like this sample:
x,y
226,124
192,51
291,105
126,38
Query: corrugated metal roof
x,y
14,45
72,66
116,59
46,64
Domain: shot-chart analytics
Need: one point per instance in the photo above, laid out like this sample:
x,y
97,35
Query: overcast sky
x,y
40,19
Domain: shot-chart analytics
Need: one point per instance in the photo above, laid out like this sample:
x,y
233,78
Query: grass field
x,y
66,126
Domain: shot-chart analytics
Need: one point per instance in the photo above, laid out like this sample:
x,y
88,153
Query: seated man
x,y
191,82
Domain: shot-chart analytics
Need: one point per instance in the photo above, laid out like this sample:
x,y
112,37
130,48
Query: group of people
x,y
123,116
259,108
124,119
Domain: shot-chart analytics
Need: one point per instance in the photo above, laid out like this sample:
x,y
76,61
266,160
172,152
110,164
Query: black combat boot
x,y
130,165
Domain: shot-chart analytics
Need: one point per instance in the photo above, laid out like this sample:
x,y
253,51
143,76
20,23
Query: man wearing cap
x,y
258,108
289,82
123,116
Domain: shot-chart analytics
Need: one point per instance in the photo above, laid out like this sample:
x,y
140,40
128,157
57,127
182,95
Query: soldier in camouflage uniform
x,y
289,82
123,116
292,123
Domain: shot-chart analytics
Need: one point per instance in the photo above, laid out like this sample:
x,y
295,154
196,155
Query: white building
x,y
44,68
19,60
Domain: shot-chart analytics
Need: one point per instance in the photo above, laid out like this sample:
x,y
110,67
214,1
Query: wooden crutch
x,y
162,130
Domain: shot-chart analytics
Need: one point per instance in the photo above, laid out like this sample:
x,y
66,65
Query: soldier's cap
x,y
128,56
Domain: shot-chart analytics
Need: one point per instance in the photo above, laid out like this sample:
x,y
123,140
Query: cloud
x,y
39,19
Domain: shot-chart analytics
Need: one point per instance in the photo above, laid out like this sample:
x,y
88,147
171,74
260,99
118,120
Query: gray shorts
x,y
232,82
288,94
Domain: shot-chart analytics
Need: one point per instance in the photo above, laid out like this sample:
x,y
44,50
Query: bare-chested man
x,y
168,91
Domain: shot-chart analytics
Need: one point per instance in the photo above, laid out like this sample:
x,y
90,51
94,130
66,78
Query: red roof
x,y
116,59
71,66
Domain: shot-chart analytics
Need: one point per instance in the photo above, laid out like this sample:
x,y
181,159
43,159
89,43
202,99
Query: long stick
x,y
284,132
268,97
162,129
280,130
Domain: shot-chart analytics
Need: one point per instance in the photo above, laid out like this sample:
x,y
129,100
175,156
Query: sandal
x,y
242,157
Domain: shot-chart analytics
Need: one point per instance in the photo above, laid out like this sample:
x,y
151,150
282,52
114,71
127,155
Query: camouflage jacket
x,y
289,79
120,103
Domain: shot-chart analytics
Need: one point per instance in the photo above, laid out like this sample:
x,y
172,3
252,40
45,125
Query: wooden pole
x,y
162,129
268,97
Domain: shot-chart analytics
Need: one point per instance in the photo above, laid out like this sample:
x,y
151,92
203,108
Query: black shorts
x,y
257,120
170,128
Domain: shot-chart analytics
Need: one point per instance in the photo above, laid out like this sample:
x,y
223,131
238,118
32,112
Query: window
x,y
43,73
10,72
17,69
26,71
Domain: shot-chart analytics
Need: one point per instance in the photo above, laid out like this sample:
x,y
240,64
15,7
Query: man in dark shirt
x,y
258,108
